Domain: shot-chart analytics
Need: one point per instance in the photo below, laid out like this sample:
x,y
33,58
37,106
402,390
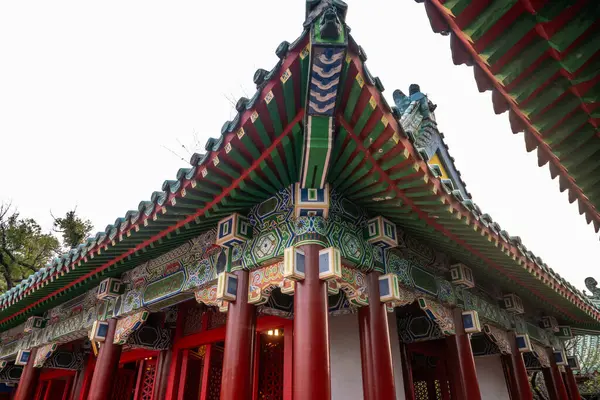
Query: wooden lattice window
x,y
270,382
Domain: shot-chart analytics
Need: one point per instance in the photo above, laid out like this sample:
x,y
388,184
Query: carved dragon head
x,y
328,17
592,286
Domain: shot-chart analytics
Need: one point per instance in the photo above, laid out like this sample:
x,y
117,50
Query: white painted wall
x,y
346,375
344,342
491,378
396,359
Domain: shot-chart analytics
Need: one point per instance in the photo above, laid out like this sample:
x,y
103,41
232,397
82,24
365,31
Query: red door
x,y
123,385
429,370
145,382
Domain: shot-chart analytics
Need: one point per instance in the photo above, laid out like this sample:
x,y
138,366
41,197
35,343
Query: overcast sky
x,y
93,94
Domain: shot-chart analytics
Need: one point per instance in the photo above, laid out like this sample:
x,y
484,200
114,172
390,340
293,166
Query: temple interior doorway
x,y
429,370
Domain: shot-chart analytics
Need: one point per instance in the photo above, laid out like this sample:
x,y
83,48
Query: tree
x,y
73,229
23,247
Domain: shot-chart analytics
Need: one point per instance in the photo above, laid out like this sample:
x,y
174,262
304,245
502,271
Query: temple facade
x,y
323,247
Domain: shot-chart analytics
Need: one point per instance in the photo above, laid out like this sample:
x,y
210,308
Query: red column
x,y
517,365
106,366
311,377
29,379
236,383
462,363
572,384
557,380
375,347
550,385
409,390
83,379
163,366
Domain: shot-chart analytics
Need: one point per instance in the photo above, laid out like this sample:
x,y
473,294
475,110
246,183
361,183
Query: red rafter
x,y
460,39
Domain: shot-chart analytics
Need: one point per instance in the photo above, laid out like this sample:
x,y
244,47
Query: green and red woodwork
x,y
539,59
324,247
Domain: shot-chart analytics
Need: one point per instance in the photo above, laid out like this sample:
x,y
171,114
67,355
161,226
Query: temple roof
x,y
540,60
376,163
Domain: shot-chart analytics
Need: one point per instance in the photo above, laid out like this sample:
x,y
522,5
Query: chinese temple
x,y
324,246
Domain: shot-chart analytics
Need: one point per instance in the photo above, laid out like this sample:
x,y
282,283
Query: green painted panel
x,y
262,132
288,94
485,20
457,6
364,116
495,50
516,67
274,114
424,281
575,27
318,146
527,86
353,97
163,288
582,53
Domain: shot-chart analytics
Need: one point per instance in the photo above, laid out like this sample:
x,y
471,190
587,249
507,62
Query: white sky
x,y
92,92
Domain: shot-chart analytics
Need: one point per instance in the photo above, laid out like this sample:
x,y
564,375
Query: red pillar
x,y
462,363
517,365
29,379
572,384
83,379
311,377
557,380
236,383
409,390
375,347
106,366
163,366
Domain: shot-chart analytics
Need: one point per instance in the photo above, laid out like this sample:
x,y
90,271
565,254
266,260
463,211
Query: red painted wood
x,y
176,353
106,366
185,356
200,338
48,374
409,389
138,380
67,389
375,346
466,45
256,368
550,384
288,367
384,177
572,385
48,390
41,390
522,387
137,354
557,379
509,376
312,372
206,373
255,165
240,334
162,373
462,364
29,379
88,373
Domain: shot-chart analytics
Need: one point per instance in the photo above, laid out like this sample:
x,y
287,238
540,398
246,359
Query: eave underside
x,y
373,163
541,61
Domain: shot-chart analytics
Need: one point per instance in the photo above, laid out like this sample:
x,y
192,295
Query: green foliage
x,y
73,229
25,248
